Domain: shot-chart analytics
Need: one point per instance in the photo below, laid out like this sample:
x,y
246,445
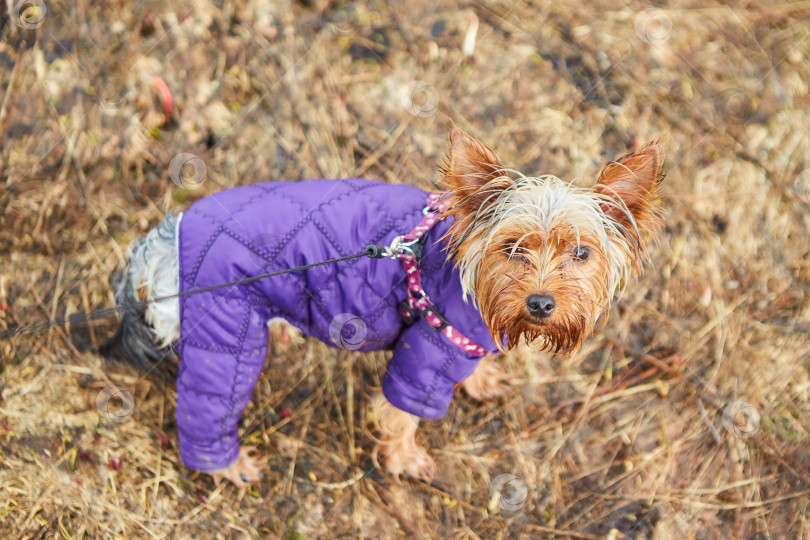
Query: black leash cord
x,y
372,251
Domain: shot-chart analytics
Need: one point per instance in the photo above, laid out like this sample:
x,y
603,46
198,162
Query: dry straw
x,y
609,442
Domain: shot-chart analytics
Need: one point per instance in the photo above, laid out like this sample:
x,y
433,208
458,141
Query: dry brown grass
x,y
625,438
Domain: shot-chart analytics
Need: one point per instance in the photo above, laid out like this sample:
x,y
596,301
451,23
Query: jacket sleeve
x,y
219,368
423,371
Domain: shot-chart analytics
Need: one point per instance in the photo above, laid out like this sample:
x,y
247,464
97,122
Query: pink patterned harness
x,y
418,304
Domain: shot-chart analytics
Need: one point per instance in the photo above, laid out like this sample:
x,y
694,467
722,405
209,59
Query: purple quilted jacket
x,y
261,228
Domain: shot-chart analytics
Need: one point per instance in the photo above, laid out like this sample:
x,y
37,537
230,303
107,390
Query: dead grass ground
x,y
625,440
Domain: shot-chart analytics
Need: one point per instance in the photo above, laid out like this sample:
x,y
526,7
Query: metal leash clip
x,y
398,248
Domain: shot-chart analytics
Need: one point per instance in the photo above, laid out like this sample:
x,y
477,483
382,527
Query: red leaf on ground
x,y
165,97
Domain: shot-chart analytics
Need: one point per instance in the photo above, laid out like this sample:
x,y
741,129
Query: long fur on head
x,y
516,237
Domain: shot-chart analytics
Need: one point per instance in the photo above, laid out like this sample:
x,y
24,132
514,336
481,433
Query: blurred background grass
x,y
626,439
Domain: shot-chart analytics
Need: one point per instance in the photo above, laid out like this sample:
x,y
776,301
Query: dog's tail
x,y
146,334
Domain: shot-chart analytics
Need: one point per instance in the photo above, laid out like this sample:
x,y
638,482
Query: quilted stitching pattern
x,y
268,227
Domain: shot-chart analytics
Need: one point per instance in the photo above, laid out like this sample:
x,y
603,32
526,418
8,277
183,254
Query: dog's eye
x,y
510,249
516,252
581,254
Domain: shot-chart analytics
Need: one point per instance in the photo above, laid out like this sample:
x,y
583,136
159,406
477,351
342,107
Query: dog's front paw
x,y
397,442
488,381
246,469
409,459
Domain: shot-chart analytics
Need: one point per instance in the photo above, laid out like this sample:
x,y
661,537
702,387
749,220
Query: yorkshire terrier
x,y
490,258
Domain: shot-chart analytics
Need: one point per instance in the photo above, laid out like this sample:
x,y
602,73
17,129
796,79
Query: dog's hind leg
x,y
284,332
146,334
246,469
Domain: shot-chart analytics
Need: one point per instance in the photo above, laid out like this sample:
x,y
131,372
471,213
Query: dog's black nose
x,y
540,306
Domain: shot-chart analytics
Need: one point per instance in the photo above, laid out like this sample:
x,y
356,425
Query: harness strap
x,y
417,304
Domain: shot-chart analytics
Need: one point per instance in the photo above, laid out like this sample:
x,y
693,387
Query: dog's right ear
x,y
472,173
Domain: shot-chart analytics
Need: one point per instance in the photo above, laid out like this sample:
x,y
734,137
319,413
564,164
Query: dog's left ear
x,y
633,182
471,173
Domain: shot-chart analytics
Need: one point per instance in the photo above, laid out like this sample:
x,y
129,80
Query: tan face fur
x,y
540,258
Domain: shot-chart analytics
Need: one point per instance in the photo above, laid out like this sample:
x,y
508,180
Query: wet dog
x,y
492,258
